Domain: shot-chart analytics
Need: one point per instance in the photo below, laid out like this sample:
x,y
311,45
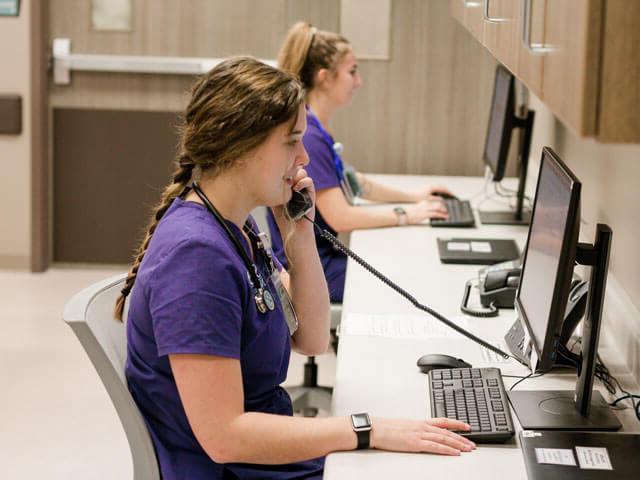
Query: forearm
x,y
275,439
356,218
381,193
309,294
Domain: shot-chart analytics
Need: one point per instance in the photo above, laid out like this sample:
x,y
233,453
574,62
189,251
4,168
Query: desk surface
x,y
378,374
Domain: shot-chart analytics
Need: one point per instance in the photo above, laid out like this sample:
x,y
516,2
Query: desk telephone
x,y
497,286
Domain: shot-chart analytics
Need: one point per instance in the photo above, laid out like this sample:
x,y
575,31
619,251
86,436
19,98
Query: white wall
x,y
15,150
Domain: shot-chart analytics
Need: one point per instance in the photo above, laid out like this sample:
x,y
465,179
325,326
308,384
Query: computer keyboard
x,y
475,396
460,214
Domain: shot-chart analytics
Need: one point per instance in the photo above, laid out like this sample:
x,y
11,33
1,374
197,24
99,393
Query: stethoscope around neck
x,y
262,296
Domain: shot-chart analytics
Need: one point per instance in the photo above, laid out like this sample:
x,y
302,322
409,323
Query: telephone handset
x,y
299,205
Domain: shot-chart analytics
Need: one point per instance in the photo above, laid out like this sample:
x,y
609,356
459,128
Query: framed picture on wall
x,y
9,8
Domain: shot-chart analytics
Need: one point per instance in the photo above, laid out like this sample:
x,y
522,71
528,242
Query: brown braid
x,y
181,178
232,111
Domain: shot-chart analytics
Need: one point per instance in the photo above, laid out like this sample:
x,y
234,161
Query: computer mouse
x,y
443,195
434,361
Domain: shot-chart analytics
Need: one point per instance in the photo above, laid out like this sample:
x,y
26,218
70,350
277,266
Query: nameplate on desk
x,y
399,326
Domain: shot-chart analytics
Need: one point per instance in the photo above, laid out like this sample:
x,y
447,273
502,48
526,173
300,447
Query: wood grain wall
x,y
423,111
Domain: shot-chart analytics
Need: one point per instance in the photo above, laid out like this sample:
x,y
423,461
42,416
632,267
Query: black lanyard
x,y
263,298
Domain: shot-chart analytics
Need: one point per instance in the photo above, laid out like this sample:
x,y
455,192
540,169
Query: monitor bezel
x,y
546,353
506,127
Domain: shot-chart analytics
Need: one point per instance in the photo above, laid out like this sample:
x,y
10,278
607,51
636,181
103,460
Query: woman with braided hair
x,y
210,324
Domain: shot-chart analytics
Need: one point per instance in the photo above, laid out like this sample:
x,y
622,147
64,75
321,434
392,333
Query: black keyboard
x,y
460,214
475,396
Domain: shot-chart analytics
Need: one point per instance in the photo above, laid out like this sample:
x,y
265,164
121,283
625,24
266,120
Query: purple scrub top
x,y
192,296
322,170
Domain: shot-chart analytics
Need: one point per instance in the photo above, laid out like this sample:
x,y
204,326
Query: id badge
x,y
287,306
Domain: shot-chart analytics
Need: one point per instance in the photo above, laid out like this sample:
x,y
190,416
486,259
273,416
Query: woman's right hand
x,y
433,435
424,210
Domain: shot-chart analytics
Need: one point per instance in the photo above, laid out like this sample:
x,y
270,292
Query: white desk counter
x,y
378,374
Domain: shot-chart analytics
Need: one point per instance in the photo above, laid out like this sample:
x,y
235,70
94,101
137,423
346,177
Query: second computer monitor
x,y
547,267
502,120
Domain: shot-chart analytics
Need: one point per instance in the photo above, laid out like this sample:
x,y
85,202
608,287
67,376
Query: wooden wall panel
x,y
190,28
425,111
110,169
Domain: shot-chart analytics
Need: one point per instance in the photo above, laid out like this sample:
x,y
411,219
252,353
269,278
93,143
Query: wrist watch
x,y
361,424
401,213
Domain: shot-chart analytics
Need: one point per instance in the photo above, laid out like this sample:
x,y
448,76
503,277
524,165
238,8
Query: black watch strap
x,y
363,439
361,424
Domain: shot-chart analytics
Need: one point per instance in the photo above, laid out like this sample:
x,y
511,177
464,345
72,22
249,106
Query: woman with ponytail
x,y
211,324
325,64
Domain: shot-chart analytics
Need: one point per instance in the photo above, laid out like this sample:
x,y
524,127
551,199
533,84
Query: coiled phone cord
x,y
343,248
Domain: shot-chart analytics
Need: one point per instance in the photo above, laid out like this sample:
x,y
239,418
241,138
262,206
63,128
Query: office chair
x,y
90,315
309,397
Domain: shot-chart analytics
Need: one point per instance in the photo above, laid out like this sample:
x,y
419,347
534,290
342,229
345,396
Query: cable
x,y
490,311
609,381
631,396
510,195
522,379
341,247
624,397
483,191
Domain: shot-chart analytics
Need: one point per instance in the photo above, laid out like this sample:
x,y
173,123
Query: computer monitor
x,y
502,122
541,300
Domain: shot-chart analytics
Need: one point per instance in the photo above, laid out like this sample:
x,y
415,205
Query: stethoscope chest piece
x,y
264,301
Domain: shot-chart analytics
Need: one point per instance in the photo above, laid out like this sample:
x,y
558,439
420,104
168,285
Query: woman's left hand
x,y
301,181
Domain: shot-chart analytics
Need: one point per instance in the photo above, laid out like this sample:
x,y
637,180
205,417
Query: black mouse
x,y
443,195
434,361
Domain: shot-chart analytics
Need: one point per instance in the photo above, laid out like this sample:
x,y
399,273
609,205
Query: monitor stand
x,y
556,410
581,409
521,215
504,217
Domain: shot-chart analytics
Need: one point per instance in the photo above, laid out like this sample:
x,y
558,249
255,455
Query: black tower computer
x,y
541,300
502,122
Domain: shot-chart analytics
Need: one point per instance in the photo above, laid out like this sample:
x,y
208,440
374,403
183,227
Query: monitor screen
x,y
549,256
501,122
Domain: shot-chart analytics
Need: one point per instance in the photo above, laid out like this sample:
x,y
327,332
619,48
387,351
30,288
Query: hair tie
x,y
185,161
314,30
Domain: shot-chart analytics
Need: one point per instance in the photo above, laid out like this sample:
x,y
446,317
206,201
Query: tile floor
x,y
56,420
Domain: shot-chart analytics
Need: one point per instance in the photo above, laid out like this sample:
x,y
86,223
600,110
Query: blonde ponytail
x,y
306,50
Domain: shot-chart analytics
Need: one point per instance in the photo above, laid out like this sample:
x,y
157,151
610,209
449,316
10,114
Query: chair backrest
x,y
90,314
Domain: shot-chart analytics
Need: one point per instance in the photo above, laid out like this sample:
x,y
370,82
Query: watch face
x,y
360,420
399,210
